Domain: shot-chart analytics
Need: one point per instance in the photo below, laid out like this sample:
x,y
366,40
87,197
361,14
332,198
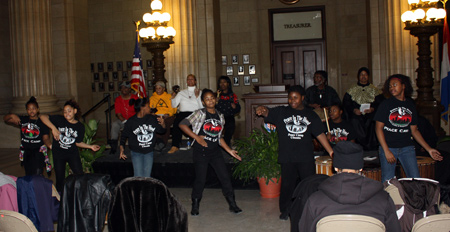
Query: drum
x,y
372,171
426,167
324,165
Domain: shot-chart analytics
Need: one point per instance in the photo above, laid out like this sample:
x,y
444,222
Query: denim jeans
x,y
142,163
407,157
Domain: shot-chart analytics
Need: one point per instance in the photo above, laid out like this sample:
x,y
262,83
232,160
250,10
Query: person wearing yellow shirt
x,y
160,102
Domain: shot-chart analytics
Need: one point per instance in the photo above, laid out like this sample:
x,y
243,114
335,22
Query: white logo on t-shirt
x,y
67,137
296,125
144,135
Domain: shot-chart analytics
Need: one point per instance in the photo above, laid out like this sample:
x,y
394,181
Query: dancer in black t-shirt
x,y
68,134
34,135
296,127
140,131
396,121
207,125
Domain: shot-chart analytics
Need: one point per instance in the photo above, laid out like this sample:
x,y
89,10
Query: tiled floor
x,y
259,214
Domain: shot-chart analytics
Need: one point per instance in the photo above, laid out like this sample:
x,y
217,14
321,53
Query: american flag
x,y
137,75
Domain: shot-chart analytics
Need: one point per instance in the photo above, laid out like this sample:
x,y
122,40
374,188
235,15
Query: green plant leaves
x,y
259,153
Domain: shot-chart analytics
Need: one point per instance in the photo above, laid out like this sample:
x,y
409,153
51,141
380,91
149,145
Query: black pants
x,y
33,162
215,158
291,175
60,160
176,131
230,126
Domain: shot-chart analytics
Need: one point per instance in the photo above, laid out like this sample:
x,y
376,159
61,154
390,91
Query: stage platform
x,y
175,170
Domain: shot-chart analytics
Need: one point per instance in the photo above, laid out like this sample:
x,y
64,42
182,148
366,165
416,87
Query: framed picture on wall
x,y
106,76
224,60
255,80
111,86
101,87
100,67
110,66
129,65
93,87
252,69
241,70
119,65
92,67
236,81
115,76
96,77
234,59
149,63
246,59
229,70
125,75
246,80
145,73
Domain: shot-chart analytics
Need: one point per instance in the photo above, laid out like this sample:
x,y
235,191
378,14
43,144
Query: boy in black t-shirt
x,y
296,127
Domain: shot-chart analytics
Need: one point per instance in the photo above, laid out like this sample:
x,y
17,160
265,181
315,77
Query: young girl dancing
x,y
140,131
68,134
207,125
396,120
34,135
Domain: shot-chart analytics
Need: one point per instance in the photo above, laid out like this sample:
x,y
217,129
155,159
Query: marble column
x,y
31,48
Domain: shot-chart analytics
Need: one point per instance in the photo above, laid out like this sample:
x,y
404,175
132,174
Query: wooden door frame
x,y
274,44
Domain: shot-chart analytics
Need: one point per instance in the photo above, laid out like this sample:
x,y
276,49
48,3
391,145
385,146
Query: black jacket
x,y
85,202
348,193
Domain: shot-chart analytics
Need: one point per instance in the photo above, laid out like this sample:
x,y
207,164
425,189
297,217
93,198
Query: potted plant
x,y
259,153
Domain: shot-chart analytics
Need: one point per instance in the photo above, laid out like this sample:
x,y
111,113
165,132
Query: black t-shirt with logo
x,y
342,131
397,117
31,132
296,130
140,133
69,135
210,129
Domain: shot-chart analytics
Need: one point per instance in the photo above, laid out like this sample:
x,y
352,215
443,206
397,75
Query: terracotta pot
x,y
271,190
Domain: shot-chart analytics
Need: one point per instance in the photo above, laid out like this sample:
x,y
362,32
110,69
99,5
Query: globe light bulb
x,y
151,32
143,33
407,16
160,31
147,17
440,13
419,14
156,5
410,2
431,13
170,31
156,16
165,17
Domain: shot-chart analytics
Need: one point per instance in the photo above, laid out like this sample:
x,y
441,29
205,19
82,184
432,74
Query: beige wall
x,y
6,89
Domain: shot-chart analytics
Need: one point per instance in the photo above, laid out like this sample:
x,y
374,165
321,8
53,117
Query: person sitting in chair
x,y
349,192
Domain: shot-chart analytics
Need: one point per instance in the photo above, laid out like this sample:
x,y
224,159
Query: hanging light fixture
x,y
157,36
424,19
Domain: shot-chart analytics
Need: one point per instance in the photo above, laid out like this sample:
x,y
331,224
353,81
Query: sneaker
x,y
173,150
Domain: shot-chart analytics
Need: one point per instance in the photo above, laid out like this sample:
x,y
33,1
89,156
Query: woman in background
x,y
228,105
363,93
161,102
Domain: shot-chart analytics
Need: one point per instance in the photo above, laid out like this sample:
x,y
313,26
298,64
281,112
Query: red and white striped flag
x,y
137,75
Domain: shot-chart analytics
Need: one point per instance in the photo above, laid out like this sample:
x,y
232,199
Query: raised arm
x,y
323,140
93,147
262,111
12,119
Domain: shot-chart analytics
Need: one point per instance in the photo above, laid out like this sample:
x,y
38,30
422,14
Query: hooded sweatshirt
x,y
348,193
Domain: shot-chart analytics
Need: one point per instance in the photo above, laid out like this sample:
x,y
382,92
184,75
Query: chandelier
x,y
157,37
157,29
424,13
